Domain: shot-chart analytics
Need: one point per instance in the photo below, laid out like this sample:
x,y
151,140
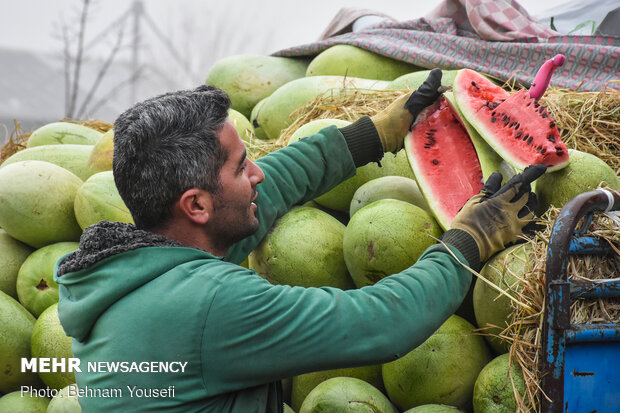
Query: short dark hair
x,y
165,146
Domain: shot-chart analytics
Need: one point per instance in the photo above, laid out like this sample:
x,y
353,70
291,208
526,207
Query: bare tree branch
x,y
101,73
67,66
78,57
134,76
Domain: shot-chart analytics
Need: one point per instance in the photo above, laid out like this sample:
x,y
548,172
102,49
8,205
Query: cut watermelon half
x,y
444,160
515,125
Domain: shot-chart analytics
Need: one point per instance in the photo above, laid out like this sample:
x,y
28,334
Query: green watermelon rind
x,y
485,133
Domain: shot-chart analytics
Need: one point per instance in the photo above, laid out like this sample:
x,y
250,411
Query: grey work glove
x,y
396,120
497,215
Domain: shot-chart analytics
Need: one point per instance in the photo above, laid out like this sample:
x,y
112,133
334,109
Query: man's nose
x,y
257,174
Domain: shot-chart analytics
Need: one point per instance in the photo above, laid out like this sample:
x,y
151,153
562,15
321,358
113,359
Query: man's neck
x,y
191,236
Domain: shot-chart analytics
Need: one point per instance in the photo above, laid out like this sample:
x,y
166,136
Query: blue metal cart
x,y
581,362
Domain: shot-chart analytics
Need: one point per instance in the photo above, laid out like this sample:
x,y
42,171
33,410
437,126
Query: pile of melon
x,y
374,224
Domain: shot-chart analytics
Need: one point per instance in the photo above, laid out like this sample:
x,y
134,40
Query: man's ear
x,y
196,205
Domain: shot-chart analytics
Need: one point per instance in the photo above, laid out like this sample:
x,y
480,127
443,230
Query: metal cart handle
x,y
557,303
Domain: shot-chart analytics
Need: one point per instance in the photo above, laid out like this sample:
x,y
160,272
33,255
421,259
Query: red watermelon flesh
x,y
444,161
515,125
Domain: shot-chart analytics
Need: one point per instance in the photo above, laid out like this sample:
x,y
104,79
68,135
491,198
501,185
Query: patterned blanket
x,y
592,62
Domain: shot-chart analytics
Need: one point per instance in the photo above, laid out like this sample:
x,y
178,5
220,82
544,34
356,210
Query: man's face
x,y
234,210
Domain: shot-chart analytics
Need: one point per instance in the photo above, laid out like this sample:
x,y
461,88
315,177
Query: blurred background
x,y
93,59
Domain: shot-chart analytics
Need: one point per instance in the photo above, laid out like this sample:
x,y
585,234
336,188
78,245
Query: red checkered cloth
x,y
592,62
492,19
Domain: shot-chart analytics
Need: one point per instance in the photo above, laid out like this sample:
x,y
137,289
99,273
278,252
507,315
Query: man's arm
x,y
256,332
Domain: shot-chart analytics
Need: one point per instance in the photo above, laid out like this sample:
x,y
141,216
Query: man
x,y
169,291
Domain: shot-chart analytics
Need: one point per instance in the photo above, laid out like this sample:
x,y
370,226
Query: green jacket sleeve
x,y
256,332
293,175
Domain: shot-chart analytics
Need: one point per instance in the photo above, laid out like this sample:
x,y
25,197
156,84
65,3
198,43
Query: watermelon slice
x,y
444,160
515,125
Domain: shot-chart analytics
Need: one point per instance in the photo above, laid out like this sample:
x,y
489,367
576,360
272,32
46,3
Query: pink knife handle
x,y
543,77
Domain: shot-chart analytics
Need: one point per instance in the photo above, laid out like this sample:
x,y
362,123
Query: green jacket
x,y
130,295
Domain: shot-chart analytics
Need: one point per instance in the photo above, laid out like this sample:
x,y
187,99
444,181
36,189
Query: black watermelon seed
x,y
551,138
543,151
560,153
433,130
519,134
536,104
539,147
435,161
493,119
475,85
517,126
525,137
552,124
492,113
529,141
558,148
544,115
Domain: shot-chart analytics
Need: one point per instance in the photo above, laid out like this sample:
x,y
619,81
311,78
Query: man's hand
x,y
496,216
396,120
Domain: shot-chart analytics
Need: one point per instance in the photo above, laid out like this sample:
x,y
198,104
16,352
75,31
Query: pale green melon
x,y
414,80
36,287
66,401
388,187
16,402
60,133
386,237
346,394
36,203
49,340
351,61
584,173
305,383
275,114
98,200
491,307
249,78
315,126
13,253
434,408
242,124
442,370
16,325
494,391
254,117
103,153
312,260
287,409
73,158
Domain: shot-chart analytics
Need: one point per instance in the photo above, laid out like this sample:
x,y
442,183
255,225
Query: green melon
x,y
583,173
494,391
442,370
49,340
13,253
249,78
312,260
60,133
15,402
490,306
287,409
66,401
388,187
16,325
351,61
36,287
346,394
73,158
305,383
435,408
258,130
386,237
414,80
275,114
315,126
36,203
101,157
98,200
242,124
